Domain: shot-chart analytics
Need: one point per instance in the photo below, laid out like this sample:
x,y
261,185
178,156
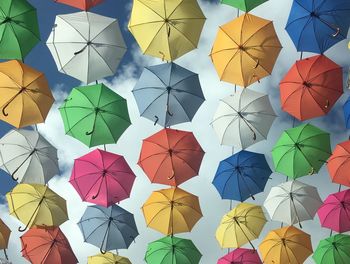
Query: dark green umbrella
x,y
333,250
95,115
244,5
19,29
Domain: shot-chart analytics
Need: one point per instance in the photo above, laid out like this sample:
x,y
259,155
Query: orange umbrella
x,y
4,236
338,164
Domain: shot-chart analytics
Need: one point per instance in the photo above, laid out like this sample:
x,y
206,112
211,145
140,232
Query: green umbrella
x,y
333,250
19,29
244,5
95,115
301,151
172,250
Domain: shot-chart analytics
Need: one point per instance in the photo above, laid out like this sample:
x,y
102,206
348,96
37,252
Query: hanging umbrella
x,y
171,249
317,26
301,151
243,119
5,233
108,228
286,245
108,258
311,87
244,5
25,96
338,164
166,30
36,205
241,256
292,202
241,225
245,50
81,4
346,109
333,250
172,211
86,46
168,94
95,115
28,157
242,175
47,246
171,157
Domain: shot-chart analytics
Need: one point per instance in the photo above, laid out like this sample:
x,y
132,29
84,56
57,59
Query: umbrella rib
x,y
148,7
323,109
70,129
153,102
61,17
146,88
160,165
184,35
150,156
256,32
322,73
155,143
103,58
187,134
146,23
181,106
309,20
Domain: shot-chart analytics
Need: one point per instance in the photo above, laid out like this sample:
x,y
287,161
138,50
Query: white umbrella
x,y
28,157
86,46
292,202
243,119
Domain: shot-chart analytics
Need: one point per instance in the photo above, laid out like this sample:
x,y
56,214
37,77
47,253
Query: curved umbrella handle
x,y
3,110
5,253
257,64
13,176
336,33
254,135
88,133
169,113
312,171
172,175
157,119
21,229
327,104
103,251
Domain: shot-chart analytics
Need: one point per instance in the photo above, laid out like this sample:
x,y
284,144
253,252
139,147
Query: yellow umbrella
x,y
108,258
172,211
4,236
36,205
245,50
166,29
25,97
241,225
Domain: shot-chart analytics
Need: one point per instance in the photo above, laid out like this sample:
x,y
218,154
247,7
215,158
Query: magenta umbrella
x,y
241,256
102,178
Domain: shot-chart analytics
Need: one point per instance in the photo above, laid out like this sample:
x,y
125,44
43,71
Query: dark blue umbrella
x,y
242,175
346,109
315,26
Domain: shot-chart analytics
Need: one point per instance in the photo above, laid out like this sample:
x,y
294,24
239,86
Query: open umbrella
x,y
338,164
346,109
333,250
244,5
25,96
86,46
243,119
108,258
5,233
95,115
165,29
168,94
81,4
241,256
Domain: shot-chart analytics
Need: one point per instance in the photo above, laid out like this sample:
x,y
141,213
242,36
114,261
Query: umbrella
x,y
102,178
311,87
333,250
95,115
81,4
36,205
165,29
346,109
86,46
25,97
19,29
242,175
172,249
5,233
171,156
46,246
301,151
317,26
108,258
108,228
286,245
241,225
244,5
338,164
168,94
245,50
243,119
241,256
28,157
292,202
172,211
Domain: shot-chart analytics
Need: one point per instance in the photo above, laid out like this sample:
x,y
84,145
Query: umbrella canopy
x,y
108,228
46,246
172,211
166,30
168,94
108,258
241,225
286,245
242,175
95,115
333,250
28,157
86,46
81,4
241,256
317,26
36,205
171,249
244,5
102,178
243,119
5,233
301,151
338,164
311,87
171,156
245,50
346,109
25,96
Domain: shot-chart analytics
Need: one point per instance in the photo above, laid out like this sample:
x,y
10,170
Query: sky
x,y
203,234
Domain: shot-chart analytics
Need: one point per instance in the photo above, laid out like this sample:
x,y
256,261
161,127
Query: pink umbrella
x,y
241,256
335,212
102,178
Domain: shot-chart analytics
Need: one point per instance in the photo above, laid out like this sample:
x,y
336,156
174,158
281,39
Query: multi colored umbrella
x,y
108,258
346,109
25,96
171,156
333,250
95,115
241,256
81,4
338,164
168,94
5,233
244,5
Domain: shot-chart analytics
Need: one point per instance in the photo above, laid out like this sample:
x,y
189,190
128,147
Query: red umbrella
x,y
171,156
81,4
339,164
311,87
